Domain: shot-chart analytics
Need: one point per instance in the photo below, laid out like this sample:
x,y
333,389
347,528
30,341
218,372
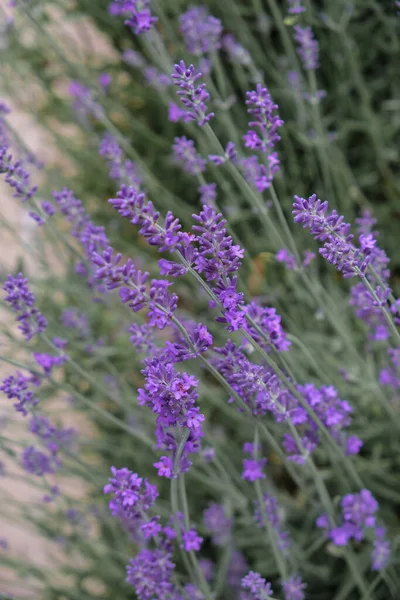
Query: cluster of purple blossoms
x,y
124,171
338,248
389,376
208,193
186,155
272,511
218,524
307,47
253,467
201,31
17,387
22,301
151,571
193,96
136,12
229,154
358,516
255,587
36,462
16,176
170,394
365,306
293,588
262,138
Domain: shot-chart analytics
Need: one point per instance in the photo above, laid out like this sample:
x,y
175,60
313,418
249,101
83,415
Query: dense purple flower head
x,y
268,320
36,462
201,31
266,122
132,495
22,301
191,541
16,387
307,47
150,574
332,229
253,468
16,176
293,588
136,12
193,96
170,394
217,523
256,587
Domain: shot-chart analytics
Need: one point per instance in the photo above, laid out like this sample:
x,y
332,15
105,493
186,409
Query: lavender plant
x,y
209,394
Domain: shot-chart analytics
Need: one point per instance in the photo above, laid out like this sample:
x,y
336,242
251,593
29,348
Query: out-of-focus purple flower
x,y
47,362
105,80
353,445
22,301
193,96
136,12
157,80
84,103
176,114
307,47
381,550
308,257
217,523
36,462
142,338
253,469
260,175
186,155
201,31
150,574
133,58
284,257
256,587
208,193
238,567
293,588
272,511
124,171
16,386
191,540
296,7
236,52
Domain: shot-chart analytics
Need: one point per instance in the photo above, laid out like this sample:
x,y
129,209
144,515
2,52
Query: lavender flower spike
x,y
194,98
22,301
201,31
137,13
307,47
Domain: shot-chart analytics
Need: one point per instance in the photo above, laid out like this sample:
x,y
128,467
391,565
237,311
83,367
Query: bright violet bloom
x,y
136,12
256,587
191,540
296,7
22,301
193,96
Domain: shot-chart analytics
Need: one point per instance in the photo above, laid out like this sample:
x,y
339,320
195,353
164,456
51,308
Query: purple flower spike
x,y
22,301
16,387
293,588
201,31
307,47
256,587
136,12
150,574
192,96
